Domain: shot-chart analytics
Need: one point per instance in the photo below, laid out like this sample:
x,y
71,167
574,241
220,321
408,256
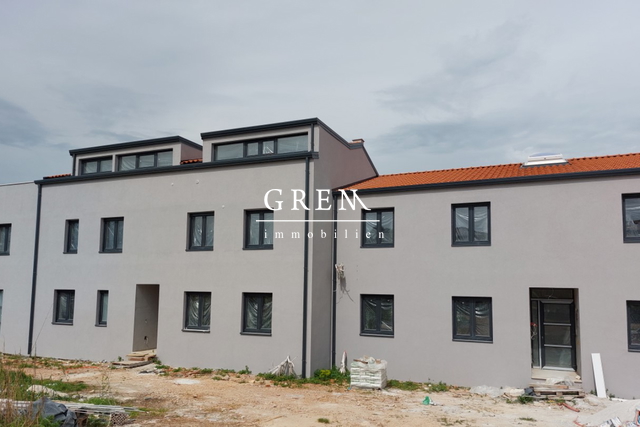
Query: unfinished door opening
x,y
145,321
553,329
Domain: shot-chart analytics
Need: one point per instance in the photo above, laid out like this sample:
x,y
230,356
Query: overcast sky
x,y
427,84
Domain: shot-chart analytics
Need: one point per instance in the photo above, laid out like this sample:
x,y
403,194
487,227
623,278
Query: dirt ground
x,y
185,399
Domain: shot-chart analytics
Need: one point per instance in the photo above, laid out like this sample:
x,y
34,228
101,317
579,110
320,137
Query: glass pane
x,y
266,313
557,313
120,227
230,151
557,335
535,336
386,222
254,229
127,163
252,149
557,357
292,143
146,161
462,224
481,224
268,147
251,313
371,228
634,323
104,307
209,231
369,314
632,217
105,165
463,318
70,305
73,236
386,306
206,310
62,307
165,158
268,228
551,293
193,310
3,233
196,231
482,319
110,235
90,167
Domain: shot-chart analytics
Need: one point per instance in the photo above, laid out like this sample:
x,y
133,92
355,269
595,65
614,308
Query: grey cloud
x,y
18,127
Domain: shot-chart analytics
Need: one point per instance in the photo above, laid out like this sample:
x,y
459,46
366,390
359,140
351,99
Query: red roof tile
x,y
583,164
186,162
57,176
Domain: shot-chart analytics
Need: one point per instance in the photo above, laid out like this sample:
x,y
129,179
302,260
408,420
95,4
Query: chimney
x,y
357,141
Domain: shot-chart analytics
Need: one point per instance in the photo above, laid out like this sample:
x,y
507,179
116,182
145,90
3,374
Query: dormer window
x,y
152,159
89,166
264,147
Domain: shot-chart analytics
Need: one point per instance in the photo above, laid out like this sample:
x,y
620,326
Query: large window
x,y
63,306
633,325
376,315
631,211
472,319
258,230
258,309
201,231
112,234
5,238
197,313
145,160
71,236
471,224
377,228
90,166
265,147
103,308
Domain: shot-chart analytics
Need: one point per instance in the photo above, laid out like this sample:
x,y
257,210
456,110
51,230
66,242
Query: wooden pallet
x,y
556,392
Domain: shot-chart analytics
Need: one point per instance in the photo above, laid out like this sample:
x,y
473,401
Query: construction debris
x,y
285,368
368,372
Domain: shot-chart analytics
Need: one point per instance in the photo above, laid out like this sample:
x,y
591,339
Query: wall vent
x,y
542,159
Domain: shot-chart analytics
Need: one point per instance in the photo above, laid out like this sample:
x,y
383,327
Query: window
x,y
631,212
152,159
377,228
472,319
257,313
5,238
633,325
471,225
197,313
103,308
63,310
201,232
376,315
71,236
266,147
96,165
258,234
112,232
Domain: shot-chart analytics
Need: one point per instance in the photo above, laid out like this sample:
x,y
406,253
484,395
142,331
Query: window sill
x,y
200,331
207,249
472,340
257,248
453,245
62,323
259,334
70,253
375,246
367,334
101,326
4,253
634,350
110,252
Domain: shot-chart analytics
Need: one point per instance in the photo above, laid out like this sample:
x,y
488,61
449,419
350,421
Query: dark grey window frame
x,y
70,296
626,239
103,239
378,331
144,153
200,327
68,236
631,346
259,330
472,323
98,161
204,215
6,230
471,231
247,225
378,244
102,294
260,142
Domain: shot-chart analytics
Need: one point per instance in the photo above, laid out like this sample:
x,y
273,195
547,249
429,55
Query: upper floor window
x,y
201,231
112,234
145,160
197,311
258,230
89,166
264,147
471,224
71,237
633,325
376,315
64,303
377,228
5,238
631,211
472,319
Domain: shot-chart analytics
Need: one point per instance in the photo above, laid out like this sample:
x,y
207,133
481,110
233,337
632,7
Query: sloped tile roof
x,y
514,170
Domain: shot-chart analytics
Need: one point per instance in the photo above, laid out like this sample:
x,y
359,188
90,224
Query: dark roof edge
x,y
261,128
497,181
179,168
133,144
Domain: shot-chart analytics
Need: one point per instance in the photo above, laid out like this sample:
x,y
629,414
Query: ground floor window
x,y
103,306
63,310
633,324
472,319
376,315
258,309
197,314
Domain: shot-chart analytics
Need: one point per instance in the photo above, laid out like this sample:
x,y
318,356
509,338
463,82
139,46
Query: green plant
x,y
162,367
205,371
439,387
324,420
404,385
524,399
102,401
177,370
225,371
245,371
119,358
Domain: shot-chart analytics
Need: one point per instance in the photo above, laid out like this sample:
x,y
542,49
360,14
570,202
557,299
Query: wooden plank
x,y
598,375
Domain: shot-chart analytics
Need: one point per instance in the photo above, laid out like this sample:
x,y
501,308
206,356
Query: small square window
x,y
201,231
472,319
633,325
376,315
103,308
471,224
631,212
71,237
5,239
258,230
377,228
197,313
63,309
257,309
112,234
